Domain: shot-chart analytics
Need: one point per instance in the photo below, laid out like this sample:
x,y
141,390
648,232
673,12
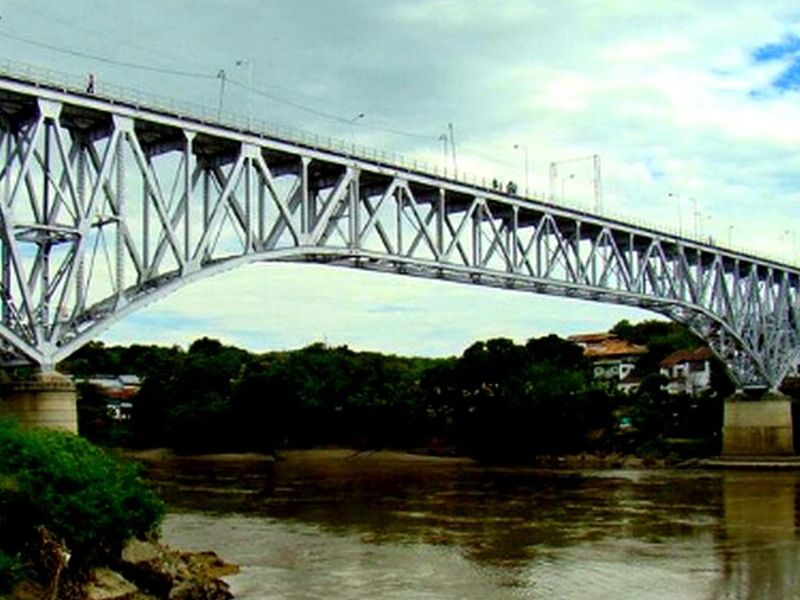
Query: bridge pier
x,y
44,399
760,426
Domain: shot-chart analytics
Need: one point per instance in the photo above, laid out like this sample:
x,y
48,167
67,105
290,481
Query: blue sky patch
x,y
788,50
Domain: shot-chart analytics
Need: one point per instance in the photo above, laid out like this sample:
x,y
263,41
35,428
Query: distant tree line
x,y
498,401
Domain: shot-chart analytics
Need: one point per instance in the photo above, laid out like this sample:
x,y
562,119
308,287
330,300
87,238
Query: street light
x,y
525,148
249,63
353,130
677,197
443,138
696,217
453,149
563,180
787,233
705,225
221,75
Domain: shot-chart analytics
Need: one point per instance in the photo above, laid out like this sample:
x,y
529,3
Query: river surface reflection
x,y
322,525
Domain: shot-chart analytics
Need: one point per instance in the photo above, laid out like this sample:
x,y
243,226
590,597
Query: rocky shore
x,y
145,571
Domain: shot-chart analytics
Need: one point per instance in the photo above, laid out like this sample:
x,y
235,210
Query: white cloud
x,y
668,95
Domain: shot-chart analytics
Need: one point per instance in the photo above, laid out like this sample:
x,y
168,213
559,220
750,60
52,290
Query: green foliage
x,y
72,488
95,421
662,338
219,398
11,571
499,400
187,403
503,401
95,358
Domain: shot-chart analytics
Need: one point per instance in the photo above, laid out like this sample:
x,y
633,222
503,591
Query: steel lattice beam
x,y
106,206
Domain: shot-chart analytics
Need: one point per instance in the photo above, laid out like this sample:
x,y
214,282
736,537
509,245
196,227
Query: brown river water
x,y
327,525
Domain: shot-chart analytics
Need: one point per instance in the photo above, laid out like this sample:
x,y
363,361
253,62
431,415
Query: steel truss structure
x,y
107,206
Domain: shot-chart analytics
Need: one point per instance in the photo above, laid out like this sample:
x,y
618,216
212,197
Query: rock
x,y
137,551
28,590
208,563
192,590
176,575
105,584
149,567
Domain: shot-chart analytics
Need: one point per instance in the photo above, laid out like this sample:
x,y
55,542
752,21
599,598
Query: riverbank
x,y
389,457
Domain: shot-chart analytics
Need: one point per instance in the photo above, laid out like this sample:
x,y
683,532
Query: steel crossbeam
x,y
106,206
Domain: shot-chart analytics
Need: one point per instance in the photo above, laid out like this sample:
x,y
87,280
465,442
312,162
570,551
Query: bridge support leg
x,y
45,399
758,427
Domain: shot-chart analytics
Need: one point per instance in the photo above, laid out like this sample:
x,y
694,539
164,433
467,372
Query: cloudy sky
x,y
693,110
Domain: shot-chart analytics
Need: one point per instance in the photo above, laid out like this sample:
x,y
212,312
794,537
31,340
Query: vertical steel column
x,y
5,255
515,238
80,274
188,147
477,249
248,201
536,245
206,194
43,237
580,272
354,203
122,213
146,195
441,215
262,208
399,202
306,210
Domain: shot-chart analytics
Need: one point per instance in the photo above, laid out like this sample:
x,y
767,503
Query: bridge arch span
x,y
107,205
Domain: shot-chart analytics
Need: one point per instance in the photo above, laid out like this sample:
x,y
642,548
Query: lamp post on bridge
x,y
524,147
677,197
787,233
249,63
353,131
221,75
444,139
705,225
563,181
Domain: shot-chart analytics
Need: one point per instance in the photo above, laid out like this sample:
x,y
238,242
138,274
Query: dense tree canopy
x,y
499,400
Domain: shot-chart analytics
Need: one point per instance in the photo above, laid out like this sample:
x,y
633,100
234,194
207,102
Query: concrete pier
x,y
758,426
45,399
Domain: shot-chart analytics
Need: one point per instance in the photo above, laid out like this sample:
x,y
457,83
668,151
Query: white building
x,y
613,359
687,371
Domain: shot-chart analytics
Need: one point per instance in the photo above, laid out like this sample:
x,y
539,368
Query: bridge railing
x,y
119,94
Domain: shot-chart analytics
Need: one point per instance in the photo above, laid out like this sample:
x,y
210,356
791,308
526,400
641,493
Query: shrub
x,y
74,489
10,571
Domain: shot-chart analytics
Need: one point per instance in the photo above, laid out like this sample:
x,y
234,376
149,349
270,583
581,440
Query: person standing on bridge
x,y
90,84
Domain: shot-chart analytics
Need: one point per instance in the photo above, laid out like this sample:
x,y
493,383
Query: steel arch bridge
x,y
107,204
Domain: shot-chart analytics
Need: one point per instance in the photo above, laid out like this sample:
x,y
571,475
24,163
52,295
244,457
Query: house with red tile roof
x,y
687,371
613,359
